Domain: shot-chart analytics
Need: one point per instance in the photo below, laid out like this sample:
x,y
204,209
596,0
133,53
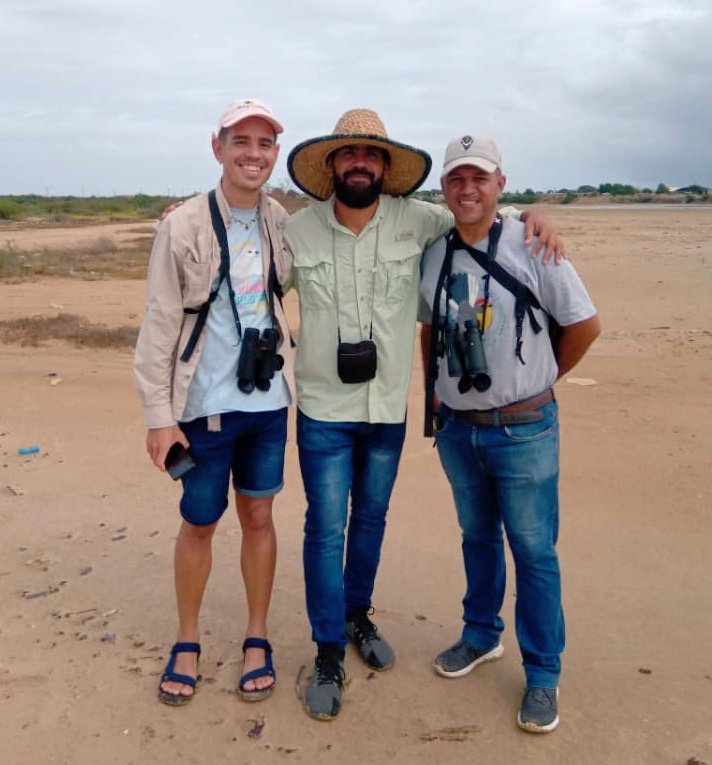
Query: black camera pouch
x,y
356,362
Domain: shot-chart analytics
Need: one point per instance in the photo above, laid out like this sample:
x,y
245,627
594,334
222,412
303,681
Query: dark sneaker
x,y
539,712
463,657
363,633
323,697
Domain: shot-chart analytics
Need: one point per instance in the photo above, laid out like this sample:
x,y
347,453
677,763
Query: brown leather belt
x,y
512,414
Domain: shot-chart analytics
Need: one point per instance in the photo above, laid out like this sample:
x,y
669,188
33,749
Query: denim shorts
x,y
249,444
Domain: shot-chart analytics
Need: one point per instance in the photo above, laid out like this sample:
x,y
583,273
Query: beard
x,y
357,196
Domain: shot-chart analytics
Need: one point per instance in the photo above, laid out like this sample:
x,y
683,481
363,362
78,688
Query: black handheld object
x,y
474,355
452,350
258,360
356,362
178,461
249,355
269,360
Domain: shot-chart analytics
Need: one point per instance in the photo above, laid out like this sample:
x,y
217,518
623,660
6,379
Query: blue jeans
x,y
507,476
338,459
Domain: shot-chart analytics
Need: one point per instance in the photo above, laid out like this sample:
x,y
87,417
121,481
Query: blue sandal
x,y
257,694
178,699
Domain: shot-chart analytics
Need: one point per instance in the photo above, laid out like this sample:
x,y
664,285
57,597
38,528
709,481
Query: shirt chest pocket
x,y
400,268
315,282
196,282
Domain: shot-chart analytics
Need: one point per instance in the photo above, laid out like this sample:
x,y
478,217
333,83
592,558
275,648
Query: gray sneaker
x,y
322,699
539,712
463,657
372,646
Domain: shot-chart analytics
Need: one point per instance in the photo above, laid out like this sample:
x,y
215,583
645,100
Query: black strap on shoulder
x,y
273,285
274,288
435,334
221,234
524,299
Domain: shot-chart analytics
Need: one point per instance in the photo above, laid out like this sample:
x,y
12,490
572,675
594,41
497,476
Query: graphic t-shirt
x,y
214,389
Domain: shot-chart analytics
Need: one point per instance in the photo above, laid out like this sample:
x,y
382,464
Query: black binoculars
x,y
466,357
258,360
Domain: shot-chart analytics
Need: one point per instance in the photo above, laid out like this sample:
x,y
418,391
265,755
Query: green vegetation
x,y
62,209
527,197
33,208
10,209
616,189
605,193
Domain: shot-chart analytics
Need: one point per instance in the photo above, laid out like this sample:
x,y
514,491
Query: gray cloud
x,y
103,96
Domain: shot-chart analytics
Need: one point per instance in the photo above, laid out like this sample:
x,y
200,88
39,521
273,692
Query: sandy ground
x,y
87,530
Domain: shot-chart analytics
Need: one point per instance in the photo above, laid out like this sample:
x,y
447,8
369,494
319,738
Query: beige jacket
x,y
185,261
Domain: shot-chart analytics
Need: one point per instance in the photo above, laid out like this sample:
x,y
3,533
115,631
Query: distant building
x,y
693,189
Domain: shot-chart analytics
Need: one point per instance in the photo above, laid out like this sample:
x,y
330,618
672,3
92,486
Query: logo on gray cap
x,y
466,142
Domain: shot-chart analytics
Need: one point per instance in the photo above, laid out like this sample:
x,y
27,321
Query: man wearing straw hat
x,y
356,263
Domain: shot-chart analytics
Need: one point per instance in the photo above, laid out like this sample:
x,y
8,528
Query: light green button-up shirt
x,y
351,283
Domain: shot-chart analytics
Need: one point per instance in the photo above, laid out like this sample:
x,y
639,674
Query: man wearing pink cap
x,y
214,370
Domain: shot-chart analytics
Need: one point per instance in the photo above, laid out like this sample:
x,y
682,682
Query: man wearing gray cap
x,y
214,371
486,305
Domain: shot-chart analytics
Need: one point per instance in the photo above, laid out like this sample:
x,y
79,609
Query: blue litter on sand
x,y
28,450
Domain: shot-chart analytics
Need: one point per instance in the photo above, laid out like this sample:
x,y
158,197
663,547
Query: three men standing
x,y
355,257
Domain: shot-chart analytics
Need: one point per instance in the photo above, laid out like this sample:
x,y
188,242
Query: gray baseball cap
x,y
475,150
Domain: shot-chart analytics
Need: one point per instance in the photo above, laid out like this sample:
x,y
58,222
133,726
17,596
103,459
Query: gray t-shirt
x,y
559,290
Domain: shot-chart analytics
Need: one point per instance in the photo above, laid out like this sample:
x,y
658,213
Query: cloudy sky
x,y
121,96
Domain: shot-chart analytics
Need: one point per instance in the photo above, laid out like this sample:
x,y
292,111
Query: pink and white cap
x,y
245,108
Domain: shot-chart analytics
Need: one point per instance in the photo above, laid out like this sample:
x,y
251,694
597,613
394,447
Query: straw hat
x,y
307,161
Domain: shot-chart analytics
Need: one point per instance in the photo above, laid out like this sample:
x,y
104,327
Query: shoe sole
x,y
177,699
496,653
256,695
321,716
531,727
174,699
